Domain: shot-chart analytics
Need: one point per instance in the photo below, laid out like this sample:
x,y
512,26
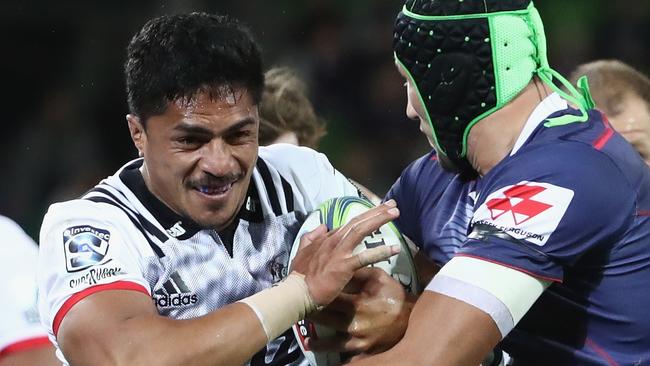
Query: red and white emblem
x,y
526,210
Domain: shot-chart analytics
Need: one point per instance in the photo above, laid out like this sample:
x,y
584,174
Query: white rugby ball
x,y
335,213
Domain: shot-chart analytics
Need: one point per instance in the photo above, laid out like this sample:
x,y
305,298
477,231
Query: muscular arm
x,y
425,267
39,356
484,301
464,336
124,328
119,327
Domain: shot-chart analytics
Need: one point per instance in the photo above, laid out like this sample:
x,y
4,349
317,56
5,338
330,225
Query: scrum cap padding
x,y
460,7
467,59
454,77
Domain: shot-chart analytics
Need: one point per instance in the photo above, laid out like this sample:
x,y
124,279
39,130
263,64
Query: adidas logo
x,y
174,292
176,230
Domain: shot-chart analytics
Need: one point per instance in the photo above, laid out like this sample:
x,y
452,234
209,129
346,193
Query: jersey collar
x,y
550,105
178,226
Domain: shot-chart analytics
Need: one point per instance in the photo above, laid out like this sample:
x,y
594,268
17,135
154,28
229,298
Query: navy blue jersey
x,y
572,206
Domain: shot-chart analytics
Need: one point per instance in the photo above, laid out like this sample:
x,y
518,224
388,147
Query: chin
x,y
212,223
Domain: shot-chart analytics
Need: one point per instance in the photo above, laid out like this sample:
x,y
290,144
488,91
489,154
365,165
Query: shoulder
x,y
426,167
17,249
572,163
423,176
290,159
103,222
309,174
80,209
12,233
553,189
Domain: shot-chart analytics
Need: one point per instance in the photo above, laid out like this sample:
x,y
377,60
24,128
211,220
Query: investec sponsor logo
x,y
527,210
85,246
174,292
95,275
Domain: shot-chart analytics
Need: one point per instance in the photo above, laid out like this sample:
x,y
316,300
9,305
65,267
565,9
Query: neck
x,y
492,138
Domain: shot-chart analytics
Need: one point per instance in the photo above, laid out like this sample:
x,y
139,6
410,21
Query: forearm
x,y
441,331
41,356
425,267
229,336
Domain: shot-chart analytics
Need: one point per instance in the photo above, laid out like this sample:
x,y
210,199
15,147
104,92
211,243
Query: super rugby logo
x,y
85,246
527,210
95,275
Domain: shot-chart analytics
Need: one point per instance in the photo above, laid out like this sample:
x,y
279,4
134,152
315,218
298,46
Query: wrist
x,y
282,305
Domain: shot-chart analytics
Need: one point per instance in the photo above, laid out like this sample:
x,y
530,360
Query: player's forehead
x,y
214,109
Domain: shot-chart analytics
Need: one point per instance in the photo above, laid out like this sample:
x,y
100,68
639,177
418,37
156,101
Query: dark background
x,y
63,97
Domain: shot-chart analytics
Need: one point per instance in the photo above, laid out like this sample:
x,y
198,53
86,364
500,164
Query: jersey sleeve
x,y
85,248
310,172
20,328
542,211
404,192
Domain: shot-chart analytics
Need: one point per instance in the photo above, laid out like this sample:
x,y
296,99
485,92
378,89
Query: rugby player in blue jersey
x,y
537,209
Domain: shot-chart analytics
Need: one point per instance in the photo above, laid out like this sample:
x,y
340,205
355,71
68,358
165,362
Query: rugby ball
x,y
335,213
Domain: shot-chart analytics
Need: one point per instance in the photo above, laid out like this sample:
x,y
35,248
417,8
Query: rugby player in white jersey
x,y
23,341
180,256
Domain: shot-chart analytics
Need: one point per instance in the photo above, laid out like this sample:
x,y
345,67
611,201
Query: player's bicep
x,y
466,310
504,293
102,325
445,331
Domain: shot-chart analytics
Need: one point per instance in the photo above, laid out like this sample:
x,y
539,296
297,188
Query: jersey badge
x,y
85,246
525,211
176,230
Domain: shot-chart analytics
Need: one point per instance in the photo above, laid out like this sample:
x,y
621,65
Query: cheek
x,y
246,156
416,104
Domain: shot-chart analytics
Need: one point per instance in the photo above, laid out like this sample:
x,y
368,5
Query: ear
x,y
138,134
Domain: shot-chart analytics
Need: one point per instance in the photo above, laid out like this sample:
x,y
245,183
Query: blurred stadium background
x,y
64,102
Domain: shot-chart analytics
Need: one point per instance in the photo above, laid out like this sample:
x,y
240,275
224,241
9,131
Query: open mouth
x,y
214,189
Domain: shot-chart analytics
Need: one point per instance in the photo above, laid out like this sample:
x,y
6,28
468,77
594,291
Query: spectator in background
x,y
22,339
287,116
623,93
286,113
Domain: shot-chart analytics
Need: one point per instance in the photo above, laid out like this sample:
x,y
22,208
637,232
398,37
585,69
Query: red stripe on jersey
x,y
69,303
643,213
511,267
600,142
601,352
25,345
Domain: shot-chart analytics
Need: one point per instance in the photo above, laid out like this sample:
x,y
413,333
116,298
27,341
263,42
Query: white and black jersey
x,y
20,328
120,236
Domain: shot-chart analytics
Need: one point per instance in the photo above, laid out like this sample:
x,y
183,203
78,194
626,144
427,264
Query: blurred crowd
x,y
64,100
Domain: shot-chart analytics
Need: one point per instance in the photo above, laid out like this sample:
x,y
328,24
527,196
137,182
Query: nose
x,y
216,158
410,111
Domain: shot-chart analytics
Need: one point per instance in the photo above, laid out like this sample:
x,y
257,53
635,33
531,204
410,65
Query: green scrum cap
x,y
468,58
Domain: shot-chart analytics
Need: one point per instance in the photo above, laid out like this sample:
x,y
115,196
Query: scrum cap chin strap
x,y
468,58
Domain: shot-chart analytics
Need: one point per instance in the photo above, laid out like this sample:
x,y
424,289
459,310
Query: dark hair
x,y
610,80
285,107
178,56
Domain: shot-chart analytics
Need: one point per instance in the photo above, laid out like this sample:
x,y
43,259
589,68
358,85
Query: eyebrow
x,y
200,130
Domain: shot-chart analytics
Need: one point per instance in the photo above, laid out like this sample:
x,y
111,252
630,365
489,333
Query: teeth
x,y
214,190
